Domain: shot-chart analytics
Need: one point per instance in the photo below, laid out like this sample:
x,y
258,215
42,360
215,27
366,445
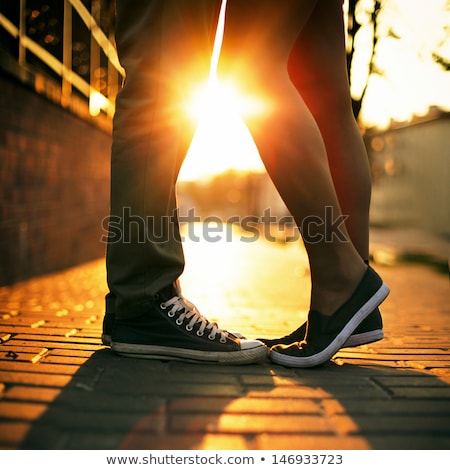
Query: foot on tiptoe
x,y
369,331
325,335
172,328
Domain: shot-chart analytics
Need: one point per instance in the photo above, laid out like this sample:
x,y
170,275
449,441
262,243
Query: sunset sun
x,y
222,140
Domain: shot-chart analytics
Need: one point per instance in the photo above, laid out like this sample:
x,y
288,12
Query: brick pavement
x,y
61,389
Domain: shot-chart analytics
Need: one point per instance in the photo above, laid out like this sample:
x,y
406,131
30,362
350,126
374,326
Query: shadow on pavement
x,y
121,403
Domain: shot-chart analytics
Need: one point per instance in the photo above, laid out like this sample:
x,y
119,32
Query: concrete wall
x,y
54,185
410,167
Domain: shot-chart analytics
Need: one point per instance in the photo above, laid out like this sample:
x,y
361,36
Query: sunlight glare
x,y
97,103
408,81
222,140
217,98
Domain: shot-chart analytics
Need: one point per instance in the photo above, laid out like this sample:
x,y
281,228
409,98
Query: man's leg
x,y
164,46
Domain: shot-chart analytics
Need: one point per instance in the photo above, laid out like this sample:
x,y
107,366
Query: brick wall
x,y
54,185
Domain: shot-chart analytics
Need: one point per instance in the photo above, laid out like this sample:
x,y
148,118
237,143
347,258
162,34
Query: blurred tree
x,y
398,58
372,9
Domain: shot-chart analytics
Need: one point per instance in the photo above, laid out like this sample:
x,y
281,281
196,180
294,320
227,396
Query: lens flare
x,y
222,141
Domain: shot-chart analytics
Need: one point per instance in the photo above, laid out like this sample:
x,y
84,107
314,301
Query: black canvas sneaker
x,y
173,329
109,319
108,325
369,331
325,335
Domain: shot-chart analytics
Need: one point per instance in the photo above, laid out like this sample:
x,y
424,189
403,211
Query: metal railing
x,y
65,40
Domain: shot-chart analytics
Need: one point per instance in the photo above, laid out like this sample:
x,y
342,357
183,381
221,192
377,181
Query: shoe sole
x,y
353,341
106,340
327,353
243,356
364,338
356,339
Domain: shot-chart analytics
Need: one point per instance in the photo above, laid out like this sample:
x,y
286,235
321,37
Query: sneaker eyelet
x,y
212,338
200,333
170,314
189,328
178,322
223,340
162,306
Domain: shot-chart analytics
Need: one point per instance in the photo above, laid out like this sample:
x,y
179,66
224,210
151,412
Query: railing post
x,y
22,32
67,55
113,77
95,58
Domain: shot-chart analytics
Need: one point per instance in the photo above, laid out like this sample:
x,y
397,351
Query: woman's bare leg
x,y
318,70
259,36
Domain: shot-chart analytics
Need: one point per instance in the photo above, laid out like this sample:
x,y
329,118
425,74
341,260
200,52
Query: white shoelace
x,y
187,310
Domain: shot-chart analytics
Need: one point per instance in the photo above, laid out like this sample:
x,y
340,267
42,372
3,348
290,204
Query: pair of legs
x,y
292,53
308,138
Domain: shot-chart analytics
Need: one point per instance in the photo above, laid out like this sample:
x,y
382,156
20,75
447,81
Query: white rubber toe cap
x,y
251,344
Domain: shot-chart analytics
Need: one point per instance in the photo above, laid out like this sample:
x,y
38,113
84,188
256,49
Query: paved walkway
x,y
61,389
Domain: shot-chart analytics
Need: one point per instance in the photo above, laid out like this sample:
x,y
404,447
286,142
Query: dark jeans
x,y
165,48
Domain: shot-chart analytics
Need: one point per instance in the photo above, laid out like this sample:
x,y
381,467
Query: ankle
x,y
331,289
